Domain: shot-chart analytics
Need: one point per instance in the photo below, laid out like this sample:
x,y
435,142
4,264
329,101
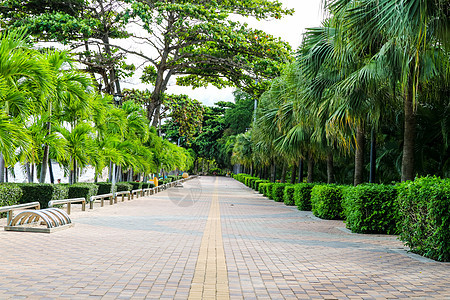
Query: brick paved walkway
x,y
158,247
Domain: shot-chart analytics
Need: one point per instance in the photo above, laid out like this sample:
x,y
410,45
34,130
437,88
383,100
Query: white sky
x,y
308,13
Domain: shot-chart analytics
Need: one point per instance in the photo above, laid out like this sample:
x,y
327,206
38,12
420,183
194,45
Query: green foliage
x,y
148,185
83,190
137,185
424,209
302,196
326,201
42,192
371,208
267,189
277,192
124,186
288,195
105,188
10,194
256,183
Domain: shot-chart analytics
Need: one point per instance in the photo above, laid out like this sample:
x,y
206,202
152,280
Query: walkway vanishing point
x,y
212,239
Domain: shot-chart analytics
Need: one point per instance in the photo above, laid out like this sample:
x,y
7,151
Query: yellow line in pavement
x,y
211,275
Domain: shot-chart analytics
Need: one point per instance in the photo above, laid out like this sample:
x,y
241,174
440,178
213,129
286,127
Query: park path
x,y
213,239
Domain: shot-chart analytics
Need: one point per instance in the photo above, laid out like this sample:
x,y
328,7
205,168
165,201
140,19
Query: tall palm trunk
x,y
283,173
373,156
273,172
44,165
359,156
310,178
409,134
330,168
293,174
300,170
2,168
28,170
50,171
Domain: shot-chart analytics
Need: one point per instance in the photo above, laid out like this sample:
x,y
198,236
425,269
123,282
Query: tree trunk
x,y
293,174
6,174
359,156
273,172
310,178
50,171
283,173
300,170
330,168
409,134
110,175
44,164
2,168
373,156
32,172
29,176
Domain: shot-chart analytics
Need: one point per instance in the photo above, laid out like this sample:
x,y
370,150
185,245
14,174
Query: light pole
x,y
118,99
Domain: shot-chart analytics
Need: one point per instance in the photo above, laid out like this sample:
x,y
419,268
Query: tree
x,y
198,40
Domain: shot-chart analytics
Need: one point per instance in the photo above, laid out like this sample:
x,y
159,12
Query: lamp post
x,y
118,99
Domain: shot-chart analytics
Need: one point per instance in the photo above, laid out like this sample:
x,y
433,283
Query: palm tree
x,y
24,76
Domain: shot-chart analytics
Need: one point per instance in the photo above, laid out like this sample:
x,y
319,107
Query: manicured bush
x,y
251,181
148,185
123,186
105,188
42,192
266,189
277,192
262,187
288,195
326,201
138,185
9,195
371,208
302,196
424,211
82,190
256,184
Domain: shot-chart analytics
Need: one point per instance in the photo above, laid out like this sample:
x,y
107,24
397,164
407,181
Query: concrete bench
x,y
122,193
137,193
9,209
102,198
69,203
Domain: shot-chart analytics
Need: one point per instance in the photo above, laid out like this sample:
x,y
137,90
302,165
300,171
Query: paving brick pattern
x,y
150,248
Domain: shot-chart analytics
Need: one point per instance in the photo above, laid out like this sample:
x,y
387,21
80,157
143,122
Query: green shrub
x,y
217,171
288,195
148,185
326,201
265,188
42,192
302,196
424,213
256,184
123,186
82,190
105,188
277,192
136,185
371,208
9,195
251,181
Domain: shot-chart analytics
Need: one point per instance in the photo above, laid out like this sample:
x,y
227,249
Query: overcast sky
x,y
308,13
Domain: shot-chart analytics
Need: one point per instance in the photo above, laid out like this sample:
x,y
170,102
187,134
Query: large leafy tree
x,y
199,40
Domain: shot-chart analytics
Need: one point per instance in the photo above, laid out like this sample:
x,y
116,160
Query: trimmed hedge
x,y
302,196
123,186
82,190
267,189
326,201
424,210
136,185
42,192
256,184
9,195
288,195
371,208
148,185
105,188
277,192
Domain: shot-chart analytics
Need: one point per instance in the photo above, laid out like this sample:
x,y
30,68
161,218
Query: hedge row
x,y
18,193
419,211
